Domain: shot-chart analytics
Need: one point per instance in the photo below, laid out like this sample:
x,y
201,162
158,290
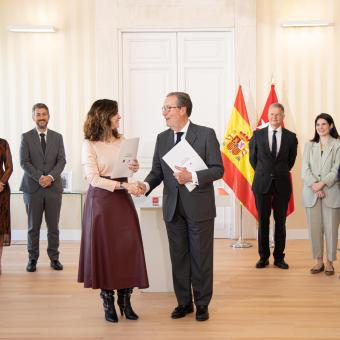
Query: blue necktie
x,y
178,137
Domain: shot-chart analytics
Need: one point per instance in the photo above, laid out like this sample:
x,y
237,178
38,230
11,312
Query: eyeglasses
x,y
168,108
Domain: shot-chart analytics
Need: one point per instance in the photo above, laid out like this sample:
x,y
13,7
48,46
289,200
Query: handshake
x,y
136,188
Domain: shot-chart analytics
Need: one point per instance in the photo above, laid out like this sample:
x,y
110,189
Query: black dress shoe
x,y
281,264
31,266
202,313
181,311
262,263
55,264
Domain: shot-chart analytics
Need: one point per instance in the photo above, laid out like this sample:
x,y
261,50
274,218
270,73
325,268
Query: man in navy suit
x,y
272,155
42,157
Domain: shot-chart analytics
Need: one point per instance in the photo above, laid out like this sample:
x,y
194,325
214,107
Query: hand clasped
x,y
45,181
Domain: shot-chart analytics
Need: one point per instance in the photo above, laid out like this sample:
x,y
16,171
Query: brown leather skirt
x,y
111,251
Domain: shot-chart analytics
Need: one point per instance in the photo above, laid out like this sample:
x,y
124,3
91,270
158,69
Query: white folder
x,y
127,153
183,155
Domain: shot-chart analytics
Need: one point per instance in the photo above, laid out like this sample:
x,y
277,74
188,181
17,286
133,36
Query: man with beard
x,y
42,157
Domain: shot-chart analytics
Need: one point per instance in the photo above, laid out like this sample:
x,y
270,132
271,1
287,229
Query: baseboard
x,y
75,234
64,235
297,234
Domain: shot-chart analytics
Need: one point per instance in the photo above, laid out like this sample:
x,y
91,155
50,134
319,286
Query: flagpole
x,y
241,243
272,242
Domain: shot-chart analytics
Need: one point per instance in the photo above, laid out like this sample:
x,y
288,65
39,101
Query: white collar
x,y
45,133
185,127
271,129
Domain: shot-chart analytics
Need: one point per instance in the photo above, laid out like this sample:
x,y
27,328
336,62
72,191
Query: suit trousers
x,y
323,222
48,201
191,252
264,204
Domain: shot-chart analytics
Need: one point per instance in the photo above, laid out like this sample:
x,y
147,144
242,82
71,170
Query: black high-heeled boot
x,y
124,303
109,305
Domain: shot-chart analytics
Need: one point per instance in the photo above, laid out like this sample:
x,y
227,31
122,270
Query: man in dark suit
x,y
272,155
189,216
42,156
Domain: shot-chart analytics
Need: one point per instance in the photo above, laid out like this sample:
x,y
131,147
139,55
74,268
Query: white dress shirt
x,y
278,137
45,133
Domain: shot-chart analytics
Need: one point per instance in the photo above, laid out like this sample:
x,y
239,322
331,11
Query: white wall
x,y
57,69
68,70
113,16
305,66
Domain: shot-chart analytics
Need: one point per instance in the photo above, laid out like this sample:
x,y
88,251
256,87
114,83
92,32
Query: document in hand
x,y
127,153
183,155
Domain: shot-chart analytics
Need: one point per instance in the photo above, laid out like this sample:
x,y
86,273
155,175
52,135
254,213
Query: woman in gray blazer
x,y
321,191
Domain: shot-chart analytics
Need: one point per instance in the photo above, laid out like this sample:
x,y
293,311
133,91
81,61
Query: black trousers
x,y
191,252
264,204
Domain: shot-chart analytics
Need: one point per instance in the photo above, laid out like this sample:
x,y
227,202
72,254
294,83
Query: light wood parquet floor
x,y
248,303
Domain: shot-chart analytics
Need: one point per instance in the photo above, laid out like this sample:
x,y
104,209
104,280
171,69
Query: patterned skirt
x,y
5,217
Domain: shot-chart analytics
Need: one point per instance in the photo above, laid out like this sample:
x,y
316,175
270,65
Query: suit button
x,y
44,163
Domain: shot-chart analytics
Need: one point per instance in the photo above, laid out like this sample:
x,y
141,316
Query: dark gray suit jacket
x,y
199,204
36,164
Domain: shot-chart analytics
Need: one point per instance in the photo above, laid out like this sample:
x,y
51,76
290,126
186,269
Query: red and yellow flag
x,y
238,173
264,122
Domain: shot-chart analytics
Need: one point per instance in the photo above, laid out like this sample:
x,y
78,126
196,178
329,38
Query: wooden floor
x,y
248,303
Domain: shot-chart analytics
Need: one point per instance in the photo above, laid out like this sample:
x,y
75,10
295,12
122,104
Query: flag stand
x,y
241,243
272,242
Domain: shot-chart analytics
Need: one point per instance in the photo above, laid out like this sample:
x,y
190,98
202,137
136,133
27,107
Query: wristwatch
x,y
121,185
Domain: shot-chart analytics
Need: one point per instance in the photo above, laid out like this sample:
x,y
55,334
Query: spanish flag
x,y
238,173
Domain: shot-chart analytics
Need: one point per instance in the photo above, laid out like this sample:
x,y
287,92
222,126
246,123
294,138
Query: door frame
x,y
234,220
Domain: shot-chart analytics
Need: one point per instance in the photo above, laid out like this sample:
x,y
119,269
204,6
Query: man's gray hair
x,y
277,106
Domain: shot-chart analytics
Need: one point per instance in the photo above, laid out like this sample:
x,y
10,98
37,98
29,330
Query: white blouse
x,y
98,160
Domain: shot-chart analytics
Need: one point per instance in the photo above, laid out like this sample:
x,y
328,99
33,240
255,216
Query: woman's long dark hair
x,y
333,131
97,126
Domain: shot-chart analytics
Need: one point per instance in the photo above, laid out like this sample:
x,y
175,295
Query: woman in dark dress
x,y
111,253
6,169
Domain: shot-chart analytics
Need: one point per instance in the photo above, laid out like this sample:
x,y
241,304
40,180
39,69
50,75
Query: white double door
x,y
154,64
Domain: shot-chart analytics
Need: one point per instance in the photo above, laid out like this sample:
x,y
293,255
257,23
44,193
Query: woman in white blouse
x,y
111,253
321,192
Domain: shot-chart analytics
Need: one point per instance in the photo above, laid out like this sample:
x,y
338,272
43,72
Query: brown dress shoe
x,y
329,272
316,270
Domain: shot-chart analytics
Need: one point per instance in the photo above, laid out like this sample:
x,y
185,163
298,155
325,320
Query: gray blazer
x,y
200,203
36,164
324,168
